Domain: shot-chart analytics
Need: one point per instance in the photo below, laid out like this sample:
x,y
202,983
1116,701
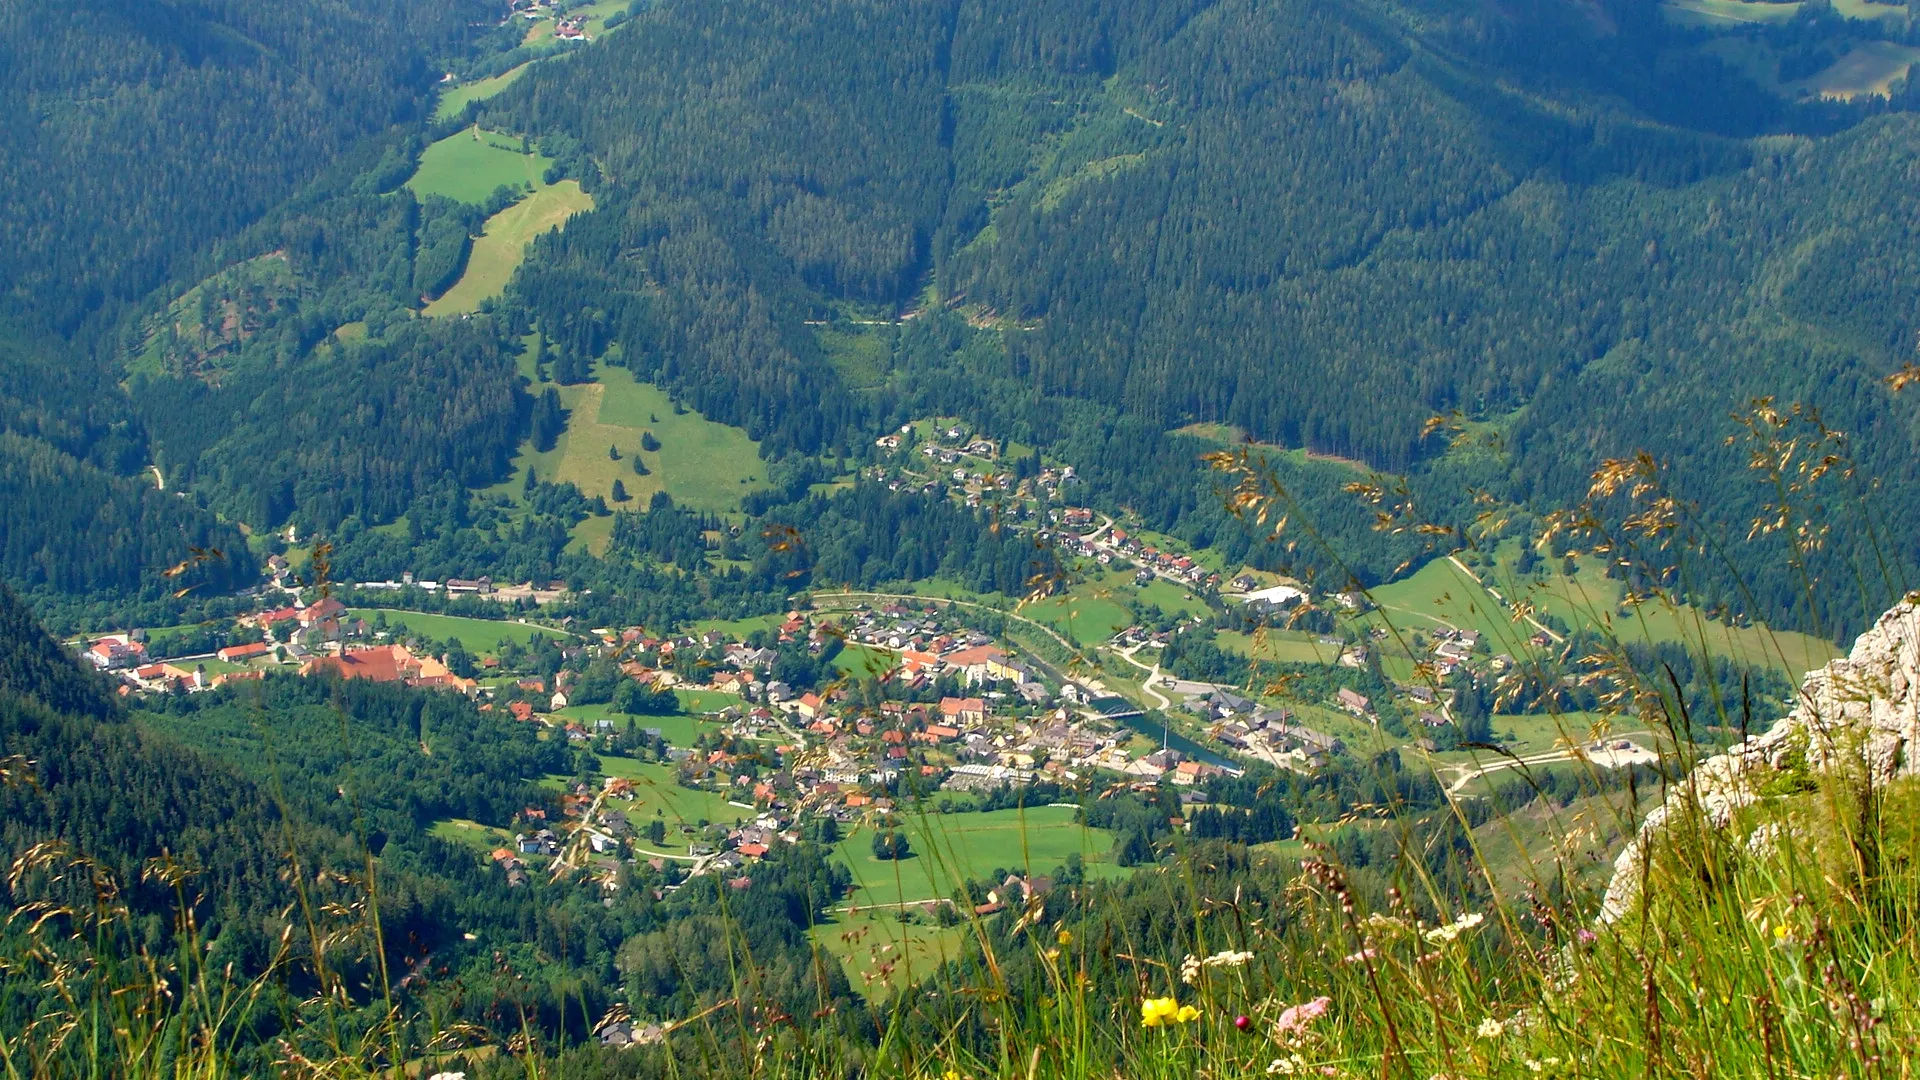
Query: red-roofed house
x,y
970,710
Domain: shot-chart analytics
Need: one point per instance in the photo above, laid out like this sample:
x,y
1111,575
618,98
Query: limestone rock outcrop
x,y
1860,714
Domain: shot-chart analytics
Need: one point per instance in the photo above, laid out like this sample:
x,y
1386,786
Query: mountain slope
x,y
1319,220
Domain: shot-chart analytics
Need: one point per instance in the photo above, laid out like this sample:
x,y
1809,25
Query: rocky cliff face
x,y
1857,716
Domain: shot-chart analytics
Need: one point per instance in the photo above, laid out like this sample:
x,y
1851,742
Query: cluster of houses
x,y
971,459
1269,734
1167,564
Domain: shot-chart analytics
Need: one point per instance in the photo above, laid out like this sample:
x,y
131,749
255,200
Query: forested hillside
x,y
1321,221
140,132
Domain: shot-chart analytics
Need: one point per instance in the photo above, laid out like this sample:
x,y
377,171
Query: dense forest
x,y
1313,224
1320,222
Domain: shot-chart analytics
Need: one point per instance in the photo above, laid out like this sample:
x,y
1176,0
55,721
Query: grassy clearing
x,y
498,251
1441,594
656,794
704,465
478,636
865,661
1171,598
1088,615
1721,14
679,729
468,166
470,834
1870,68
951,848
1281,646
739,629
455,98
862,360
881,954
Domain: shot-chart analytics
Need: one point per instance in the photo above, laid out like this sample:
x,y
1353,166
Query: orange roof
x,y
979,654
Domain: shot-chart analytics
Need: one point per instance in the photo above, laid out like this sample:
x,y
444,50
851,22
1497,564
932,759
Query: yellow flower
x,y
1157,1011
1064,937
1187,1014
1781,931
1053,954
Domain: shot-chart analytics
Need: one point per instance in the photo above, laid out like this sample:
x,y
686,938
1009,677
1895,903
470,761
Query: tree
x,y
1133,850
613,453
648,442
619,491
890,845
640,467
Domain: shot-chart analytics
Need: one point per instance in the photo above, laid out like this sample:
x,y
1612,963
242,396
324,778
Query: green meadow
x,y
951,848
656,794
469,165
478,636
499,250
704,465
455,98
881,954
1440,594
1087,615
680,729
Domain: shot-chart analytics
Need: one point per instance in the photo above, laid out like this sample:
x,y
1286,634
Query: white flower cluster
x,y
1441,934
1190,967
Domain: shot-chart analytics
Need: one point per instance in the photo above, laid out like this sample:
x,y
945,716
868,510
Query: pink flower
x,y
1354,958
1298,1017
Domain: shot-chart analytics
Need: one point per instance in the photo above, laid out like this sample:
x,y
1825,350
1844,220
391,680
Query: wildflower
x,y
1227,959
1187,1015
1053,954
1189,969
1455,928
1157,1011
1585,936
1491,1029
1286,1066
1297,1018
1064,937
1357,957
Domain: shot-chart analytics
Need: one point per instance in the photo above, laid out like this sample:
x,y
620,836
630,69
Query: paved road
x,y
1152,674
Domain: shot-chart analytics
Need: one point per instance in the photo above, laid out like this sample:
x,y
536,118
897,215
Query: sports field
x,y
498,251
